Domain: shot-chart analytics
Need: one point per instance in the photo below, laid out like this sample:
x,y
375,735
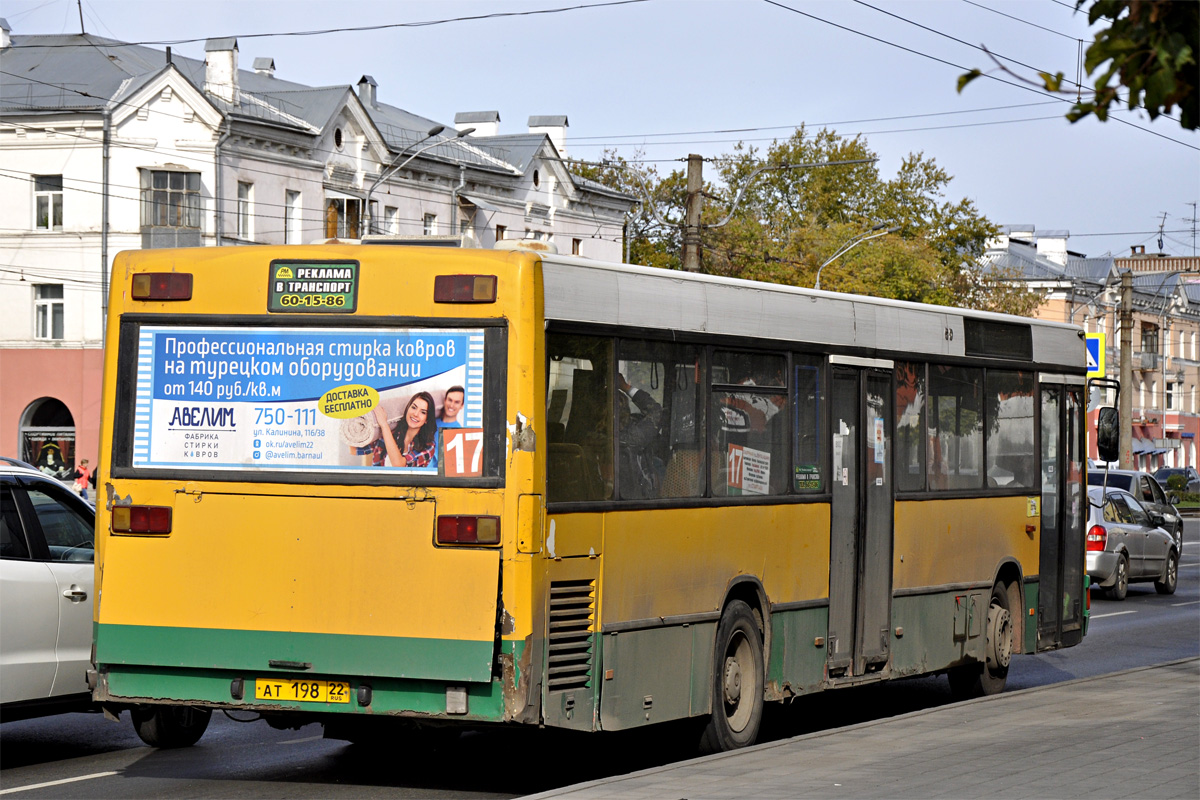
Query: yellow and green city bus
x,y
405,488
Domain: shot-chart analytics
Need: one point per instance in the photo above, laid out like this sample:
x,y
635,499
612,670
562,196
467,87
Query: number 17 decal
x,y
462,452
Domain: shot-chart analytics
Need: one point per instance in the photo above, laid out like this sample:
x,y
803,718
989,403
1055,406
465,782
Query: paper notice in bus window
x,y
339,400
749,470
880,446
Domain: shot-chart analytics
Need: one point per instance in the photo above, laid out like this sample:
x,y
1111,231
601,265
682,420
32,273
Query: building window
x,y
170,199
291,218
500,231
48,311
391,220
48,202
1149,338
342,218
1169,403
576,244
430,227
245,191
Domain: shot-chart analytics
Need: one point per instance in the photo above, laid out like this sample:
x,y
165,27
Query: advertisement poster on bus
x,y
310,399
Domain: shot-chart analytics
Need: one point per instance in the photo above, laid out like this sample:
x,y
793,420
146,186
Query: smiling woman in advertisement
x,y
416,432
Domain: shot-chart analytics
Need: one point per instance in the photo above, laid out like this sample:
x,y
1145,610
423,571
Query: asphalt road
x,y
86,756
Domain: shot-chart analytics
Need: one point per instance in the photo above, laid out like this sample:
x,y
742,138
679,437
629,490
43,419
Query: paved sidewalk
x,y
1129,734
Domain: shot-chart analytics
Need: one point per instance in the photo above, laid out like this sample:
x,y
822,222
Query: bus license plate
x,y
307,691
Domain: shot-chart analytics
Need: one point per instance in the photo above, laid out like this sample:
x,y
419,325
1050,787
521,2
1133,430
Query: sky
x,y
659,79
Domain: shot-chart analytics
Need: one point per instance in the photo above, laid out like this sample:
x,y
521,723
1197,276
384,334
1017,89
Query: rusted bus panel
x,y
956,541
796,663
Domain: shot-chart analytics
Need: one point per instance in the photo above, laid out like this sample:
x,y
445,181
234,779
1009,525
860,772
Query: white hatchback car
x,y
46,580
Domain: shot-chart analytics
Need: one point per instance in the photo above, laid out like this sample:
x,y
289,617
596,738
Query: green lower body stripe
x,y
327,653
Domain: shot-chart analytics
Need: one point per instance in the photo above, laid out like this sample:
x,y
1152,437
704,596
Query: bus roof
x,y
583,290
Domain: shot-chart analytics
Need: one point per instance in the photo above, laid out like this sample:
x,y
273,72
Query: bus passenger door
x,y
1061,555
860,547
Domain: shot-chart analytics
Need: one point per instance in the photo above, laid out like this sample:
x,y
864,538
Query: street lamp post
x,y
865,236
398,165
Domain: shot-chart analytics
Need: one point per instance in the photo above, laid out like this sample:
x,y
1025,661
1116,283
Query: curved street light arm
x,y
855,242
398,165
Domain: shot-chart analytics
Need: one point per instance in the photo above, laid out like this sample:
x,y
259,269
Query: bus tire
x,y
737,683
167,727
979,680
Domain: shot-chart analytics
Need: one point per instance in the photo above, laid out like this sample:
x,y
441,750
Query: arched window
x,y
48,436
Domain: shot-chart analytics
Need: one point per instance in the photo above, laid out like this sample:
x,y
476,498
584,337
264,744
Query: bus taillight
x,y
468,530
1097,539
141,519
162,286
464,289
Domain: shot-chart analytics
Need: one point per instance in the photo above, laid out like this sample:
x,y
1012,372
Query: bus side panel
x,y
671,563
947,554
796,663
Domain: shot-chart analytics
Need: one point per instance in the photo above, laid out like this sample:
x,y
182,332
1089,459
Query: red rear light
x,y
468,530
162,286
141,519
1097,539
464,289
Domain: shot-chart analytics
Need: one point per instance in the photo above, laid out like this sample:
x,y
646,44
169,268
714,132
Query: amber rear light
x,y
468,530
162,286
141,519
464,289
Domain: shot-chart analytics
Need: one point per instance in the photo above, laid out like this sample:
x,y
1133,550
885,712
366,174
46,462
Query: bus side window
x,y
749,435
661,421
808,409
579,418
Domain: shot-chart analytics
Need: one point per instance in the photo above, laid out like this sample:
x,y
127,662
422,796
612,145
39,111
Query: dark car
x,y
1127,544
1149,493
1189,474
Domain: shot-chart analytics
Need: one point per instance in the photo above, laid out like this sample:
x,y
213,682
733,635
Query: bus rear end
x,y
309,494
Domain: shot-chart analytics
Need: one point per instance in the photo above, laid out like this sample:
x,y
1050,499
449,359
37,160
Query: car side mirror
x,y
1108,434
1173,499
1158,520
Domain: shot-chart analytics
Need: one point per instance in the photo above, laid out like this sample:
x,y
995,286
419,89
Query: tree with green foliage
x,y
780,224
1146,57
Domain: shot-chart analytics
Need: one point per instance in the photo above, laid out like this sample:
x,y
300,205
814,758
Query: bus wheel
x,y
737,700
999,643
977,680
166,727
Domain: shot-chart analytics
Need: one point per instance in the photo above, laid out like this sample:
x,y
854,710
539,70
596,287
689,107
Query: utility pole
x,y
1125,406
691,219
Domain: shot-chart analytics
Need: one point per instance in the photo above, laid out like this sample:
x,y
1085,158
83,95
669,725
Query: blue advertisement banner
x,y
309,398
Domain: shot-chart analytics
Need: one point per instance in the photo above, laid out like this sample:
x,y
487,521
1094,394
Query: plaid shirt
x,y
412,457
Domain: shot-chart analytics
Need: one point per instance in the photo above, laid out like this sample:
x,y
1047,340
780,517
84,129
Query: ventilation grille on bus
x,y
572,618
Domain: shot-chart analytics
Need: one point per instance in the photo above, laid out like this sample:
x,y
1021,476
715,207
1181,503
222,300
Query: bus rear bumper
x,y
123,685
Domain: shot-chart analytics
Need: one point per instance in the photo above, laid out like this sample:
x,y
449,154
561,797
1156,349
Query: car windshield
x,y
1115,481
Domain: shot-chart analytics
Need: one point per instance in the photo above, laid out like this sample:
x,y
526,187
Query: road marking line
x,y
57,783
1188,603
305,739
1113,614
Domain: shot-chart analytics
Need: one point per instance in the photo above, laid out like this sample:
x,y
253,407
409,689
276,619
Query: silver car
x,y
1127,544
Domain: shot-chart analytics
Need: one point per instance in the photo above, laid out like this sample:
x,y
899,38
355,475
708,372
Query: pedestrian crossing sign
x,y
1095,355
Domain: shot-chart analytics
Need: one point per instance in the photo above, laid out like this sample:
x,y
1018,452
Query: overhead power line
x,y
380,27
943,61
